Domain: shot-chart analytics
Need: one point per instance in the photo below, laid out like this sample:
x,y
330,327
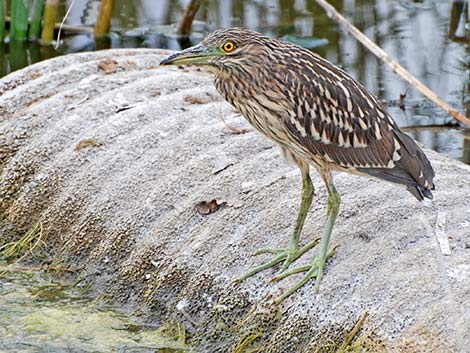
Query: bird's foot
x,y
315,270
288,255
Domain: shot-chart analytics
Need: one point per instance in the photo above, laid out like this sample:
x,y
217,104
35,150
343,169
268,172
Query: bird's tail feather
x,y
413,169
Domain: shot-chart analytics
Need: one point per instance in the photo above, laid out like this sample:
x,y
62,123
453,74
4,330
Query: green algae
x,y
23,246
39,313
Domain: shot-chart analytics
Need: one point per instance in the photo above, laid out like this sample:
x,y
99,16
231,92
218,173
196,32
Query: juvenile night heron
x,y
319,115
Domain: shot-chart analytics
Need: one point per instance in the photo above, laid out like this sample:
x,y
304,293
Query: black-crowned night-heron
x,y
319,115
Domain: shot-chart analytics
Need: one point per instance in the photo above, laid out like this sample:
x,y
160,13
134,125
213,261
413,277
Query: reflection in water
x,y
430,38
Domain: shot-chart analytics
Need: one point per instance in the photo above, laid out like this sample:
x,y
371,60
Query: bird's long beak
x,y
197,55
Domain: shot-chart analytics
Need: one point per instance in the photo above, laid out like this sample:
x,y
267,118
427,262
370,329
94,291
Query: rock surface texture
x,y
112,155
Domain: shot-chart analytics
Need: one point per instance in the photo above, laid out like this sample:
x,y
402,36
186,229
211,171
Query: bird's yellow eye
x,y
228,47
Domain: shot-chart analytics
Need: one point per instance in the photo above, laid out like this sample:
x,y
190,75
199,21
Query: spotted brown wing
x,y
336,118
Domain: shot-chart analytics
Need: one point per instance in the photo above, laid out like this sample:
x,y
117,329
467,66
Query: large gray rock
x,y
112,154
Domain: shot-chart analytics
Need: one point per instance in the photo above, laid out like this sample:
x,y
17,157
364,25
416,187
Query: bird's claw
x,y
268,251
281,275
315,270
287,255
294,254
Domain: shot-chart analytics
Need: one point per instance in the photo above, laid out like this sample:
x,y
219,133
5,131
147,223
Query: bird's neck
x,y
241,82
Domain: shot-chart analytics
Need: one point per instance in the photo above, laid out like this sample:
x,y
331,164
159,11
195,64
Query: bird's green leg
x,y
318,265
292,252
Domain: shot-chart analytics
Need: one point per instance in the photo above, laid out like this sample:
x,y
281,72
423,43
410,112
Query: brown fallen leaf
x,y
206,207
108,66
88,143
196,100
35,75
213,205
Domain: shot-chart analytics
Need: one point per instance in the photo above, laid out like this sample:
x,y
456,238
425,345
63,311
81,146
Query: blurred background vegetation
x,y
429,37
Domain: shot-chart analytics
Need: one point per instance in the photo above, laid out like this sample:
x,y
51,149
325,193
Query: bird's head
x,y
223,50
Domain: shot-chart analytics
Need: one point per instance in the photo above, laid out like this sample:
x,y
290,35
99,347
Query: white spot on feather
x,y
347,125
345,90
300,128
349,103
362,124
306,106
396,156
340,140
361,113
327,94
397,144
347,144
323,117
325,138
357,143
327,157
314,132
378,135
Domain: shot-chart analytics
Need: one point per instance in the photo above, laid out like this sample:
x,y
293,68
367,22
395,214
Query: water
x,y
40,312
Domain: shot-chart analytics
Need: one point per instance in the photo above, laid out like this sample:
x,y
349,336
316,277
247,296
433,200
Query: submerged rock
x,y
113,156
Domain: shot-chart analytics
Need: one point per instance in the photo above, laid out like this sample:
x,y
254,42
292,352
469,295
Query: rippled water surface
x,y
40,312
